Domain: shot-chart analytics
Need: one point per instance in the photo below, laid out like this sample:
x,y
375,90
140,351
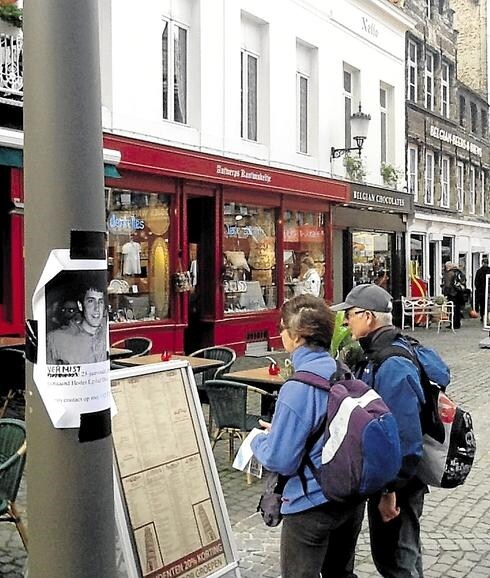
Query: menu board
x,y
170,498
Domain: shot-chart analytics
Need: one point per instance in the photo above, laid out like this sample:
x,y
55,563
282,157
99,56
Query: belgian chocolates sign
x,y
381,199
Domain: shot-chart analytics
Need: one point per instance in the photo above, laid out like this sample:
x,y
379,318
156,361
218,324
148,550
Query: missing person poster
x,y
72,369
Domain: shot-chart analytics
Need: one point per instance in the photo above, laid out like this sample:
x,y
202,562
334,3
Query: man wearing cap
x,y
393,514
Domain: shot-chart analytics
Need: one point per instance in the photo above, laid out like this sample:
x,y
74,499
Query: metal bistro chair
x,y
236,409
224,354
12,462
138,345
13,378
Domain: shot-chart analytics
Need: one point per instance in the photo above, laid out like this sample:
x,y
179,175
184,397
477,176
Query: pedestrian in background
x,y
310,282
317,535
393,514
453,288
480,285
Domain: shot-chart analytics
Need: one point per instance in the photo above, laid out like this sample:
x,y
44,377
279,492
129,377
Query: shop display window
x,y
304,253
138,227
372,258
249,258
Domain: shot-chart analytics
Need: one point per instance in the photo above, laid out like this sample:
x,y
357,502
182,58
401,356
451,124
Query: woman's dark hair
x,y
309,317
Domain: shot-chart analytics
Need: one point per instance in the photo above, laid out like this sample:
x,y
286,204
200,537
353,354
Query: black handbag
x,y
271,500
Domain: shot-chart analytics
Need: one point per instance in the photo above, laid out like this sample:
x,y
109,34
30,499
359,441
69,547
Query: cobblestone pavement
x,y
456,523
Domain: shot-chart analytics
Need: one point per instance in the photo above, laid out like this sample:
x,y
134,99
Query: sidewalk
x,y
455,524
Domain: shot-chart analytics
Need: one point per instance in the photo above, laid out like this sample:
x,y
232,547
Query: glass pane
x,y
304,253
165,69
303,114
347,81
180,74
138,256
382,97
347,114
242,94
383,137
249,259
252,98
372,258
417,255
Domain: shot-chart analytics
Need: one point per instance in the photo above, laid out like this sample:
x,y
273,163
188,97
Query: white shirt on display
x,y
131,258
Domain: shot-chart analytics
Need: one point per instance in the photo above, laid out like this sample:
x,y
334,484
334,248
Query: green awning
x,y
111,172
15,158
11,157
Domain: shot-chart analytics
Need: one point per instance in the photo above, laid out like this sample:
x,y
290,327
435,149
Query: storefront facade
x,y
370,240
236,231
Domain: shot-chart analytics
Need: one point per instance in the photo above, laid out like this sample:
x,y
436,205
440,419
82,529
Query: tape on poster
x,y
88,245
31,340
94,426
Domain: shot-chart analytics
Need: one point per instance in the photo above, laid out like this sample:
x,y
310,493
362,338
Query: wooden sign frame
x,y
171,515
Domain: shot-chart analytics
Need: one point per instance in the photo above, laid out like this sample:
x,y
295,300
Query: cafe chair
x,y
12,379
224,354
138,345
12,462
236,409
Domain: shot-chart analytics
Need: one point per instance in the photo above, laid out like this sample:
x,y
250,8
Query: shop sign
x,y
383,199
291,234
118,224
310,234
458,141
248,232
239,173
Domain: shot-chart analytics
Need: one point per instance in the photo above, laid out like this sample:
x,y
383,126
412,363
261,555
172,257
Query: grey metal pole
x,y
69,484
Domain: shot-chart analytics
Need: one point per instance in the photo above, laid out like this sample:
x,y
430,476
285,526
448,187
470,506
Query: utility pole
x,y
69,484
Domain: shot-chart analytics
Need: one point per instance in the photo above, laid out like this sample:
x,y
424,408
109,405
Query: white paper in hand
x,y
244,455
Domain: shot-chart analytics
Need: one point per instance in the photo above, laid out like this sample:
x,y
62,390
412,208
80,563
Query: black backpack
x,y
449,439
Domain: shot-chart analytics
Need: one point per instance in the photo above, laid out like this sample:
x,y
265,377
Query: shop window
x,y
304,253
138,256
371,254
417,256
249,258
174,72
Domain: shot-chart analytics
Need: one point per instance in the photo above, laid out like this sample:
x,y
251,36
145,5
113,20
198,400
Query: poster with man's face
x,y
70,308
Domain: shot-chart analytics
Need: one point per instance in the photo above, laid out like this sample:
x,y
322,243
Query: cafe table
x,y
197,364
258,376
117,353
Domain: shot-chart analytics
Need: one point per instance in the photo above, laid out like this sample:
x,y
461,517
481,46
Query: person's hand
x,y
265,424
387,507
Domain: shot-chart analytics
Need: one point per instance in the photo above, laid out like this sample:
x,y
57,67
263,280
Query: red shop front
x,y
236,232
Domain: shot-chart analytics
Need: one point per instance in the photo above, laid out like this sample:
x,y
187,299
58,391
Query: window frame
x,y
460,186
413,182
472,208
445,181
252,130
383,112
300,119
429,80
429,179
412,67
445,92
168,111
482,193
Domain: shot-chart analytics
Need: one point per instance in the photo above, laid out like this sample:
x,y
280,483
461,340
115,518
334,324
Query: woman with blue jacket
x,y
317,535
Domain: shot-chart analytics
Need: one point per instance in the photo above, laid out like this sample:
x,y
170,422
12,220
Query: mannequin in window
x,y
131,252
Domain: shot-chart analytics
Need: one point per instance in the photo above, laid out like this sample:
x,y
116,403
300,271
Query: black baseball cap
x,y
369,297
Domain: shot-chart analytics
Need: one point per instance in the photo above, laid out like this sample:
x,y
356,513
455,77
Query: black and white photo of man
x,y
83,340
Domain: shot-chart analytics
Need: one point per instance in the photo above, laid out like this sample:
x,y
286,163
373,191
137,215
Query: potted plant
x,y
390,175
355,168
10,14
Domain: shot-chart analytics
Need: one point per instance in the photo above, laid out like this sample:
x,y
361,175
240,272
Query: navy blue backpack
x,y
361,445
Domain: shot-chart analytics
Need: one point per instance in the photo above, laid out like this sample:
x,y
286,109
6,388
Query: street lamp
x,y
359,123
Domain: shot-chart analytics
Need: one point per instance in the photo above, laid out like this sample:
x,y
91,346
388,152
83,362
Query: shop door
x,y
201,236
432,269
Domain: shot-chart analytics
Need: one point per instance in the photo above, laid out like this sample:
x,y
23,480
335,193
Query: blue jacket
x,y
300,410
397,381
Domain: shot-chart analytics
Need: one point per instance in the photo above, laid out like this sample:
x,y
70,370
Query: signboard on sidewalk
x,y
170,509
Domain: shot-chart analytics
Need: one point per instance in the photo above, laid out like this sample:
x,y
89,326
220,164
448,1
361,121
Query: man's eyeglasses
x,y
349,314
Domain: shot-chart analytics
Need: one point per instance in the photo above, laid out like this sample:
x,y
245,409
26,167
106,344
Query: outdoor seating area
x,y
426,311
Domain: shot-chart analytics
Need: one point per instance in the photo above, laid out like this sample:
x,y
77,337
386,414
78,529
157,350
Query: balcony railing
x,y
11,69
